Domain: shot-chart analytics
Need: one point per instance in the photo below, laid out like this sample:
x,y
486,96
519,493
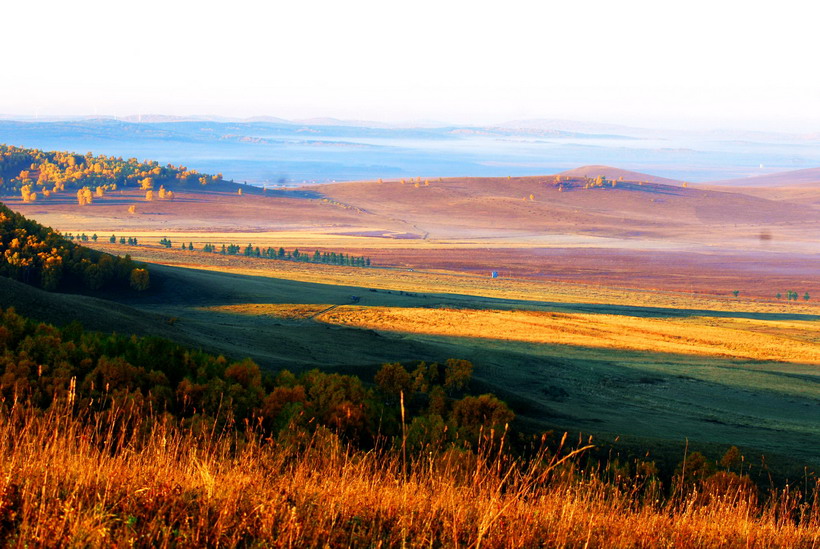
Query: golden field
x,y
121,481
782,341
695,336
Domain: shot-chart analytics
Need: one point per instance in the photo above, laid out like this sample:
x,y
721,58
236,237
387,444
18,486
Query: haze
x,y
694,65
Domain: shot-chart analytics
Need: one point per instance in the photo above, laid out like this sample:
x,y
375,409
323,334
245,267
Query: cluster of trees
x,y
35,173
131,241
793,296
162,194
38,255
47,366
428,392
82,237
600,181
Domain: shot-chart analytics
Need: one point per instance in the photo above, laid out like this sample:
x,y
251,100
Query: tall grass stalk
x,y
118,478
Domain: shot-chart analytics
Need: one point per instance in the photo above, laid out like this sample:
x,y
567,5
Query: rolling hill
x,y
809,178
535,207
610,172
798,187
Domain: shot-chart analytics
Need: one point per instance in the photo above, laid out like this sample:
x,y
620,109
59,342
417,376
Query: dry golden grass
x,y
698,336
285,311
124,482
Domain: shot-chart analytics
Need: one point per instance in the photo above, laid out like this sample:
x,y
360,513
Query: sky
x,y
688,65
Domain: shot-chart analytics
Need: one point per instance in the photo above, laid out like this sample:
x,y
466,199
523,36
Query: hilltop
x,y
610,172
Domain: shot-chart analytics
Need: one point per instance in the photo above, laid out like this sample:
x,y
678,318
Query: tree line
x,y
329,258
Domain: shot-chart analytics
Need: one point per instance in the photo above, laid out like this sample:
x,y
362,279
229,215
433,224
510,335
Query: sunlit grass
x,y
123,480
696,336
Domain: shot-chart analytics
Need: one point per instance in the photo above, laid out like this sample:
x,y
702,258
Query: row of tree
x,y
793,296
330,258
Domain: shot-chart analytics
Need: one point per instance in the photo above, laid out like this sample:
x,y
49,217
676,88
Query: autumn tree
x,y
393,379
139,279
84,196
457,374
474,414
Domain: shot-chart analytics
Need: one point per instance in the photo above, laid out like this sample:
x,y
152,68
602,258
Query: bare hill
x,y
617,173
498,207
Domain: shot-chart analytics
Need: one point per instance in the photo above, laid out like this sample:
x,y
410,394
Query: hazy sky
x,y
686,64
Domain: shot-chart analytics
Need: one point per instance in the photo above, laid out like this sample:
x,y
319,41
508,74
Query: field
x,y
606,319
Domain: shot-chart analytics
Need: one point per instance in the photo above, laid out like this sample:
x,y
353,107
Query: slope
x,y
610,172
808,178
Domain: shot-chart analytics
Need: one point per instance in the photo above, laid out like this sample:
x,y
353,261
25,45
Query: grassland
x,y
120,481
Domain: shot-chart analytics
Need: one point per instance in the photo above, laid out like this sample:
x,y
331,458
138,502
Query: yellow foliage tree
x,y
147,184
84,196
149,195
132,209
239,192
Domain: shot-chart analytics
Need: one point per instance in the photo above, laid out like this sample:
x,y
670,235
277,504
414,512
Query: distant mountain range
x,y
537,126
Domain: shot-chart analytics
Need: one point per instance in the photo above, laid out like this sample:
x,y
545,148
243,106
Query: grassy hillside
x,y
121,481
652,398
497,207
